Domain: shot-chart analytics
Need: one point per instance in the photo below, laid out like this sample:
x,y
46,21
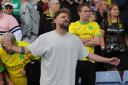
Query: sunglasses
x,y
8,7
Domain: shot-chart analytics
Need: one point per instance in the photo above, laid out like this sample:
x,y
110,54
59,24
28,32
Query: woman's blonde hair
x,y
109,14
10,36
111,6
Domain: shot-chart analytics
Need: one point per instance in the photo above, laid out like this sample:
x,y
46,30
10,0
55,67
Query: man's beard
x,y
65,25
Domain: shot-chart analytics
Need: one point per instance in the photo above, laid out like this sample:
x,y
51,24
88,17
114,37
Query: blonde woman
x,y
114,42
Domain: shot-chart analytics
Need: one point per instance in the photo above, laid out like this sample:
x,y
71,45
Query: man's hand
x,y
114,61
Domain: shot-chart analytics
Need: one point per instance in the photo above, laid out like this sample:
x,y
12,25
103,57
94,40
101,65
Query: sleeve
x,y
72,28
82,51
97,31
37,48
18,35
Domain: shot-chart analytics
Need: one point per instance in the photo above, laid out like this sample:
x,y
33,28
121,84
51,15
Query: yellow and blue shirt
x,y
85,30
15,62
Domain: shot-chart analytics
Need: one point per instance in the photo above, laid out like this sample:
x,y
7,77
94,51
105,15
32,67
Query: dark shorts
x,y
123,56
33,72
85,71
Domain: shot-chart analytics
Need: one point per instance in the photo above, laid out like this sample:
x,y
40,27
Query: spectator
x,y
115,38
95,4
9,23
53,5
46,23
30,21
123,5
14,62
8,9
16,6
89,32
102,11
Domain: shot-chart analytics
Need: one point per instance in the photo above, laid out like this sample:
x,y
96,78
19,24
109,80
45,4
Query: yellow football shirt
x,y
85,30
14,63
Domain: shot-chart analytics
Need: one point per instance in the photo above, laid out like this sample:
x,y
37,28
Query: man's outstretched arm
x,y
97,58
19,49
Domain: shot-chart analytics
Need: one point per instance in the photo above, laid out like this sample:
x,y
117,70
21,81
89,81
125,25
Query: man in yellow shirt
x,y
89,33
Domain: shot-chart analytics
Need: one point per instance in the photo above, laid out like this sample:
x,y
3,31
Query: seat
x,y
108,78
125,77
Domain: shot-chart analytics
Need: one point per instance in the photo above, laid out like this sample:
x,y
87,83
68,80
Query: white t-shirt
x,y
59,55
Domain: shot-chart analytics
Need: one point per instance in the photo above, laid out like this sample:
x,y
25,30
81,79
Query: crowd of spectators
x,y
101,25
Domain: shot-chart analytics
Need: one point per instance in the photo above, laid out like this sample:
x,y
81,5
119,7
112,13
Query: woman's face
x,y
114,11
55,5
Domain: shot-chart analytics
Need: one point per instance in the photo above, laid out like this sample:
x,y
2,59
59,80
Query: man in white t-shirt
x,y
59,52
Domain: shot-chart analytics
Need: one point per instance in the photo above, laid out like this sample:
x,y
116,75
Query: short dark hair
x,y
79,8
63,10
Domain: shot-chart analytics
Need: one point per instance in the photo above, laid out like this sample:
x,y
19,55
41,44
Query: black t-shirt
x,y
114,34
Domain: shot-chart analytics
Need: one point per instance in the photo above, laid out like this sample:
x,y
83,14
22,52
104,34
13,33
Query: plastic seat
x,y
108,78
125,77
